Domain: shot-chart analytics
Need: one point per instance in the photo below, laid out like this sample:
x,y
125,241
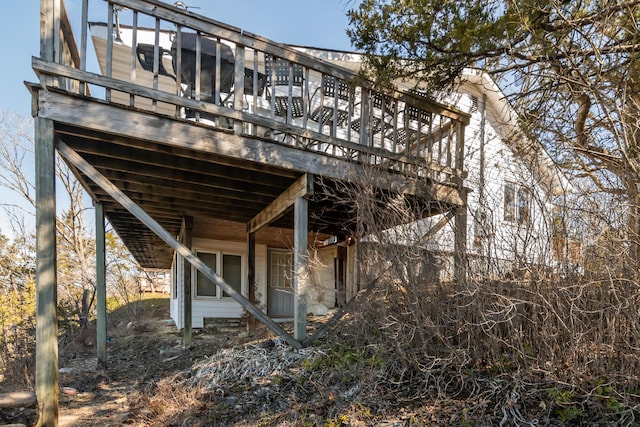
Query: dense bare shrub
x,y
557,332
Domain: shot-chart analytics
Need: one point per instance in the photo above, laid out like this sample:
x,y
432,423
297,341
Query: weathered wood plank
x,y
93,142
185,252
138,157
185,191
46,279
206,178
134,124
101,287
300,268
186,237
301,188
437,227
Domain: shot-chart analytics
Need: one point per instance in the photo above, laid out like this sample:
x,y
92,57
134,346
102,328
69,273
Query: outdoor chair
x,y
335,98
283,76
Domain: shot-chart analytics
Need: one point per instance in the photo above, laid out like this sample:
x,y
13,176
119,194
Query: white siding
x,y
176,305
322,288
205,307
222,307
507,240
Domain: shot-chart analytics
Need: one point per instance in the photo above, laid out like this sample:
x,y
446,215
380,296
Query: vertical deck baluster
x,y
450,144
238,84
134,62
321,106
290,94
305,115
429,141
394,136
254,128
439,158
272,80
382,114
107,91
57,42
156,61
178,65
198,71
83,44
218,79
406,121
334,120
350,99
459,166
418,135
364,120
418,155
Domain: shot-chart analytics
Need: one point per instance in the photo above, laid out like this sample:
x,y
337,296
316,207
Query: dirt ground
x,y
140,355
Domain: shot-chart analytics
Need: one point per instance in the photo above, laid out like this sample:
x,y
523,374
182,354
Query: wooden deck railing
x,y
160,58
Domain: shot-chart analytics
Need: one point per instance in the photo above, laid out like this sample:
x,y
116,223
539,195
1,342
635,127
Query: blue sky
x,y
301,22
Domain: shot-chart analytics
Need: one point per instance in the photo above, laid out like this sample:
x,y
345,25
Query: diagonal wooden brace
x,y
77,161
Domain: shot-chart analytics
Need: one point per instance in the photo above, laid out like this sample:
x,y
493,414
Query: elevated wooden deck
x,y
191,121
238,124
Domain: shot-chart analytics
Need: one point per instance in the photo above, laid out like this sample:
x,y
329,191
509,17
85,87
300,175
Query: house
x,y
221,244
512,181
208,149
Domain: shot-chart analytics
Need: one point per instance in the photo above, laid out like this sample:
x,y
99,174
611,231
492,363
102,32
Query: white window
x,y
228,266
517,203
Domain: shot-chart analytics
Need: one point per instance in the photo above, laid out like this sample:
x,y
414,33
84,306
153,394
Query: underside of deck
x,y
173,168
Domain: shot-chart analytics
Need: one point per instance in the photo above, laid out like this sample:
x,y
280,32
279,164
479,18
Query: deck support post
x,y
101,288
251,251
187,321
300,270
460,212
460,244
46,279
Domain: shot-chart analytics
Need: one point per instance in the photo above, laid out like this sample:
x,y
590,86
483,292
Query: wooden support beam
x,y
238,86
460,237
187,303
251,251
460,245
300,267
149,127
75,159
101,288
301,188
438,226
46,280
